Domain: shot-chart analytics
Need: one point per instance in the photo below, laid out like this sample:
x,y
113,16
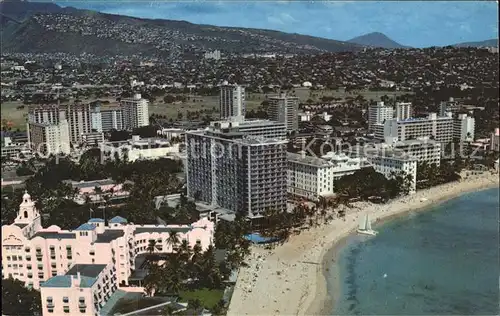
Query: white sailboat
x,y
365,227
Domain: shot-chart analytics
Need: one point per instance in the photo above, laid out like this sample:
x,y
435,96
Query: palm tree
x,y
184,250
151,246
173,239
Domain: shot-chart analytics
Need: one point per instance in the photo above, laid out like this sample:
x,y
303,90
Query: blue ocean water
x,y
440,262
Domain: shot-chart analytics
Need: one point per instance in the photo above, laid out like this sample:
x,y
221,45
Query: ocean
x,y
439,262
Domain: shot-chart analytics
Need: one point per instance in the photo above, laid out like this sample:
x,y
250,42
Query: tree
x,y
151,246
173,239
18,300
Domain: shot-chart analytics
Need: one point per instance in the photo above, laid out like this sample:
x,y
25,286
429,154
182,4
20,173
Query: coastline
x,y
291,280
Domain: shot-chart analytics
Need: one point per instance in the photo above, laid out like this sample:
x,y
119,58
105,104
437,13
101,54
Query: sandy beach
x,y
289,280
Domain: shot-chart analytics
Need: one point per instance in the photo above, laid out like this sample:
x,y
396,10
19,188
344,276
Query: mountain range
x,y
46,28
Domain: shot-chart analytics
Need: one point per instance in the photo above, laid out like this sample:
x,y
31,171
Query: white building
x,y
463,128
10,149
232,102
403,110
433,127
422,149
135,112
47,138
389,162
495,140
284,109
311,177
325,116
170,133
216,55
378,114
306,116
137,148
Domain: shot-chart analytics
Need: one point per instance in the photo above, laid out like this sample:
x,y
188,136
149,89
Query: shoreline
x,y
291,279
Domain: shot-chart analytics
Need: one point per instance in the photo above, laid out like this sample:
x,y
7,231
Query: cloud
x,y
465,27
282,19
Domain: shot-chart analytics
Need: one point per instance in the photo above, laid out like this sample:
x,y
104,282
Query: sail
x,y
368,223
362,224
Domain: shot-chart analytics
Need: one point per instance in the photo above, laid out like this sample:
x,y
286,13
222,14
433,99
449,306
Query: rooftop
x,y
308,160
85,226
65,281
55,235
118,220
90,184
159,229
109,235
88,270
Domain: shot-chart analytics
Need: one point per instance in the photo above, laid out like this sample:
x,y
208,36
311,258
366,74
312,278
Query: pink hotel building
x,y
78,270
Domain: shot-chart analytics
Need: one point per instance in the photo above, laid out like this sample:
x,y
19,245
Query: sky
x,y
411,23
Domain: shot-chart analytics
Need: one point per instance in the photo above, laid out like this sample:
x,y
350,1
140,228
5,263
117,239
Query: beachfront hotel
x,y
238,166
311,177
440,129
389,162
89,262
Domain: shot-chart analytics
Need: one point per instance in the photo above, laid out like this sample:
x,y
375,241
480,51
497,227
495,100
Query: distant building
x,y
440,129
216,55
495,140
111,119
378,113
43,114
79,120
263,128
11,149
135,112
284,109
463,128
232,102
47,138
87,191
305,116
403,110
450,106
93,138
142,149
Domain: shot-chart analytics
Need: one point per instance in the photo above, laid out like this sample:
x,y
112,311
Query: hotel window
x,y
66,309
65,299
27,249
8,258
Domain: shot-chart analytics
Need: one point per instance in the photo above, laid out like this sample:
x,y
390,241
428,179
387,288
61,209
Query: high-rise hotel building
x,y
378,113
284,109
232,102
239,171
135,112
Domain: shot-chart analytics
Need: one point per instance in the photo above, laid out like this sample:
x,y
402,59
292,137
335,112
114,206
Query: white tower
x,y
28,215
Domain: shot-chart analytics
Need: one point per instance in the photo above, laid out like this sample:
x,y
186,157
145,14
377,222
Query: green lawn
x,y
208,298
17,117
